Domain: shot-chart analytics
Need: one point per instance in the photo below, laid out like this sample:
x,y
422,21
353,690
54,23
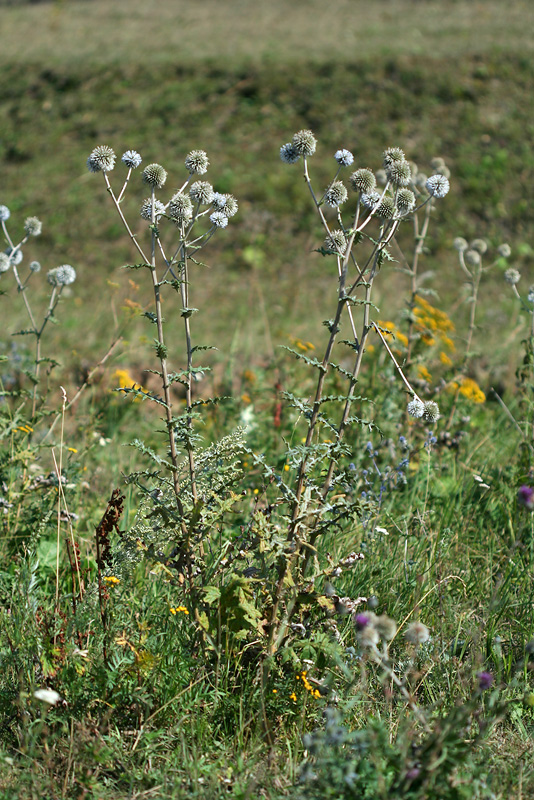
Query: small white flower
x,y
49,696
438,186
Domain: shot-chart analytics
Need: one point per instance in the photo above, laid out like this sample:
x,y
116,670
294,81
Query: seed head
x,y
417,633
393,155
146,209
512,276
5,213
33,226
131,159
180,208
405,201
5,262
336,242
336,194
218,219
431,411
386,627
363,180
102,159
504,250
386,207
438,186
35,266
460,244
416,408
399,173
197,162
472,258
344,158
201,192
61,276
304,143
154,175
480,245
288,154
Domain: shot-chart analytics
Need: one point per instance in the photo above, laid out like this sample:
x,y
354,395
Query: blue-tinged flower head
x,y
370,199
102,159
35,266
416,408
288,154
304,143
344,158
197,162
225,203
154,175
5,262
61,276
438,186
218,219
146,209
14,255
512,276
131,159
504,250
5,213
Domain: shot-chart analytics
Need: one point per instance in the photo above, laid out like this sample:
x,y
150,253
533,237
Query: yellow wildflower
x,y
472,391
293,697
111,580
424,373
444,358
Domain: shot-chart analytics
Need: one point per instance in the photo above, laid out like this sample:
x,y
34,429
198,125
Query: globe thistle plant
x,y
460,244
5,213
131,159
480,245
14,254
33,226
431,411
201,192
304,143
405,201
226,203
180,208
386,207
218,219
5,262
154,175
416,408
335,195
399,173
145,211
102,159
393,155
336,242
504,250
363,180
438,186
197,162
288,154
512,276
35,266
61,276
370,199
344,158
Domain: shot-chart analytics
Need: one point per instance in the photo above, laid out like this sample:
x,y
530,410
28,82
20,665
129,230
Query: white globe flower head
x,y
438,186
5,213
61,276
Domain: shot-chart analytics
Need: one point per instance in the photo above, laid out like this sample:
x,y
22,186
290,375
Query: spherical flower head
x,y
131,159
180,208
61,276
32,226
368,636
431,411
5,213
512,276
386,207
5,262
102,159
420,181
336,194
225,203
363,180
146,209
14,255
393,155
525,497
386,627
288,154
370,199
480,245
344,158
405,201
416,408
445,171
460,244
201,192
35,266
472,258
504,250
361,621
218,219
197,162
154,175
438,186
399,173
304,143
436,163
485,681
417,633
336,242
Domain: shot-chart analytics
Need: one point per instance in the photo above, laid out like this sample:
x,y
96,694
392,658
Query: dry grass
x,y
107,31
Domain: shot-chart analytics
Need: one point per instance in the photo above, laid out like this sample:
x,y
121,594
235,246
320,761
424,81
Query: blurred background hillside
x,y
451,78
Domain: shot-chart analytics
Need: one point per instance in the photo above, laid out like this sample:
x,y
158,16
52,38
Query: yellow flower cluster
x,y
178,610
430,321
111,580
424,374
300,345
469,389
390,331
301,676
126,380
25,428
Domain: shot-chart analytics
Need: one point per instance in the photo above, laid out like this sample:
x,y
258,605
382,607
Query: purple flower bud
x,y
413,773
525,497
485,680
361,621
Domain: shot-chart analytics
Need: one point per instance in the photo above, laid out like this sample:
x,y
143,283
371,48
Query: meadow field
x,y
266,464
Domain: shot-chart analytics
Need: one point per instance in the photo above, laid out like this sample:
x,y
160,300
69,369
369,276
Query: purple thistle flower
x,y
485,680
361,621
525,497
